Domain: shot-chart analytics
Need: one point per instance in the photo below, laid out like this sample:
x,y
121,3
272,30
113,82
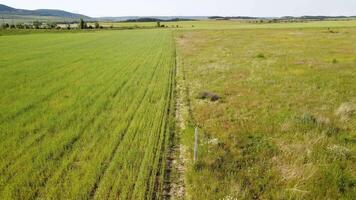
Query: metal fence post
x,y
196,145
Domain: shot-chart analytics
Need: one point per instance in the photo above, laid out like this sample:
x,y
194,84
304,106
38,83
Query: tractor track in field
x,y
116,147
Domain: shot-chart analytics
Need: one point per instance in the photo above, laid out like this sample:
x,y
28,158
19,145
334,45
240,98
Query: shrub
x,y
261,55
96,25
51,25
36,24
208,96
19,26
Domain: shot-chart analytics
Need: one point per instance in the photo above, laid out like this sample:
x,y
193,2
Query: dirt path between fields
x,y
177,161
178,187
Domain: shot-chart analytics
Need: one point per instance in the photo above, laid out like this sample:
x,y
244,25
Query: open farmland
x,y
284,127
85,115
111,114
233,24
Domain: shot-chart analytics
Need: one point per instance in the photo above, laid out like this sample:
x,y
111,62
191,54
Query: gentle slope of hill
x,y
6,10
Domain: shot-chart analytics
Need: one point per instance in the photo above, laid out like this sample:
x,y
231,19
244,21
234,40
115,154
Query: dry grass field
x,y
285,125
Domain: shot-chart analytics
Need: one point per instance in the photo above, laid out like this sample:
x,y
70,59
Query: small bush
x,y
96,25
37,24
198,166
332,130
20,26
261,55
335,61
208,96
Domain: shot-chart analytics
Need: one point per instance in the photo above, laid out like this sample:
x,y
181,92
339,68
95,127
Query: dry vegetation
x,y
285,127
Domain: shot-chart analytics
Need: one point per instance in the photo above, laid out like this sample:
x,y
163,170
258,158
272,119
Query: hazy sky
x,y
193,7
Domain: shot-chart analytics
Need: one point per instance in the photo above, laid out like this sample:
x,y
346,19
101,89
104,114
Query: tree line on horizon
x,y
51,25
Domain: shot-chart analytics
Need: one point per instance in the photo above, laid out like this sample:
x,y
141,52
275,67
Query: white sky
x,y
272,8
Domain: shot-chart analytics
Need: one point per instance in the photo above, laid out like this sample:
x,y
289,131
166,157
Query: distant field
x,y
284,128
84,115
235,24
14,19
204,24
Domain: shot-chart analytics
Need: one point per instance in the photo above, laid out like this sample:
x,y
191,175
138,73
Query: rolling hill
x,y
9,12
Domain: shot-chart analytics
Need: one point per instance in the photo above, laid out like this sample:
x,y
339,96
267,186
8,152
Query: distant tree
x,y
97,25
82,24
36,24
68,26
19,26
51,25
158,24
5,25
12,26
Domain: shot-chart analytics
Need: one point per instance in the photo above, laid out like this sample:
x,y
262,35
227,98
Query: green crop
x,y
84,115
